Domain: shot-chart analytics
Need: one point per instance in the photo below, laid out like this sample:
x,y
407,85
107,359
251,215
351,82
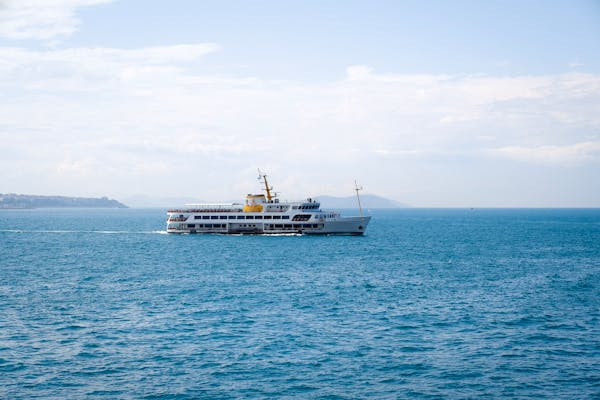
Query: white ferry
x,y
262,214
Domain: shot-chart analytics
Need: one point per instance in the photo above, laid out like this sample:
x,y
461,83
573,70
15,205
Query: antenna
x,y
357,188
267,188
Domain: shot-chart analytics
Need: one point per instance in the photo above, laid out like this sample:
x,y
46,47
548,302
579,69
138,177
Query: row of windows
x,y
291,226
241,217
207,225
306,207
266,226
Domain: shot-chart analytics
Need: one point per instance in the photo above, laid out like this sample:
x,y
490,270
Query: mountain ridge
x,y
366,200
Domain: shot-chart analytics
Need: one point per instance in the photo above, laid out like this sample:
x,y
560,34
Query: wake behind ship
x,y
262,214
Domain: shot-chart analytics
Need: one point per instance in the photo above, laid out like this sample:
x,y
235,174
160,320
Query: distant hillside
x,y
12,200
367,201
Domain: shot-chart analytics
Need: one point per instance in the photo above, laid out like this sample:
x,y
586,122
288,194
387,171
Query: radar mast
x,y
263,177
357,188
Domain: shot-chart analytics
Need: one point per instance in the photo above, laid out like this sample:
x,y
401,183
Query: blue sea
x,y
430,303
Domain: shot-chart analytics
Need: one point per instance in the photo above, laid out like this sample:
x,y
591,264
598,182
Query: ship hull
x,y
338,226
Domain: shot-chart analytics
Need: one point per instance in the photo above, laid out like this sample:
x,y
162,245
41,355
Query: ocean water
x,y
428,304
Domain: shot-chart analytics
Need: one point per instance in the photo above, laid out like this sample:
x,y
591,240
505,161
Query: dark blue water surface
x,y
428,304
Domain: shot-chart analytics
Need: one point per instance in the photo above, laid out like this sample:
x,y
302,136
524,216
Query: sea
x,y
428,304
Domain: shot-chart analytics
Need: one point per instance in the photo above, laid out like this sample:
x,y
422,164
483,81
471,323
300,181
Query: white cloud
x,y
552,154
40,19
120,122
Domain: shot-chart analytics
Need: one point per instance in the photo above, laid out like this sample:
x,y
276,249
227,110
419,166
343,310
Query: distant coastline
x,y
12,201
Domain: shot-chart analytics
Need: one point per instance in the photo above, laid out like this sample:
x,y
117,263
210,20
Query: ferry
x,y
265,214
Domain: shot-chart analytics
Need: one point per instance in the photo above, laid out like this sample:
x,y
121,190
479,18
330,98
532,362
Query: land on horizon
x,y
25,201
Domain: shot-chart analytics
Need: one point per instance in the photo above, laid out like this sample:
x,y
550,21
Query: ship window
x,y
208,225
278,226
258,217
240,217
287,226
249,216
267,217
214,217
297,226
223,217
197,217
276,216
285,217
191,225
301,217
315,225
205,217
294,207
200,226
232,217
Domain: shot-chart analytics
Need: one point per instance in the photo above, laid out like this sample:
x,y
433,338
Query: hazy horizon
x,y
463,104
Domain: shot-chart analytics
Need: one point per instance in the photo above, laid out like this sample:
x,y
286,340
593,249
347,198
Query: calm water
x,y
429,304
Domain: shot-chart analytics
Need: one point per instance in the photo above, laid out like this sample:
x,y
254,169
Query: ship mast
x,y
357,188
267,188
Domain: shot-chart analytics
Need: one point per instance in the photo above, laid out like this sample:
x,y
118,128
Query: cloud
x,y
126,121
45,19
550,154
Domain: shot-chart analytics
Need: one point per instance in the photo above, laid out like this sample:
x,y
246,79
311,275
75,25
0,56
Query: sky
x,y
429,103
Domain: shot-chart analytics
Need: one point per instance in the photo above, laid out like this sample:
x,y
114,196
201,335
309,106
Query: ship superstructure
x,y
264,214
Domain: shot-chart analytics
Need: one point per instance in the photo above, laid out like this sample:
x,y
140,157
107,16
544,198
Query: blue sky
x,y
429,103
303,40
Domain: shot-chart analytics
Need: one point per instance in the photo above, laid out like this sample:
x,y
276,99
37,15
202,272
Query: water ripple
x,y
429,304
